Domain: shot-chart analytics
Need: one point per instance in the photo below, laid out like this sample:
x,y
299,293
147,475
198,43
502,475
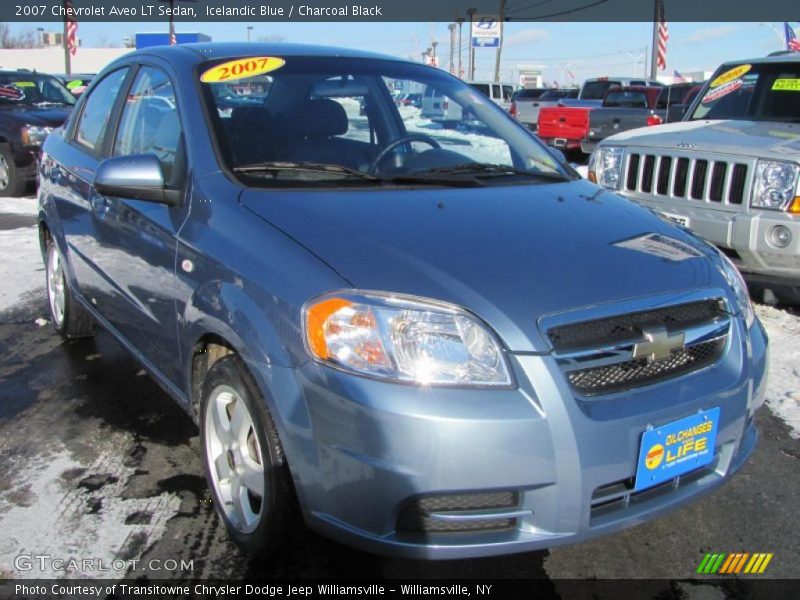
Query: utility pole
x,y
502,18
451,66
434,43
471,12
654,55
460,21
249,29
67,57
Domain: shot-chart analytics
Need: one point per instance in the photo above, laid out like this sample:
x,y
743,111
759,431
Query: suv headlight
x,y
404,339
737,283
33,135
605,166
775,184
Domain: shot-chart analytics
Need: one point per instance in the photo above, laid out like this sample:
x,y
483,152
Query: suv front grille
x,y
717,181
598,356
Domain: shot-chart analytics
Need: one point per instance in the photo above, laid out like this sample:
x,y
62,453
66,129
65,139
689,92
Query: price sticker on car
x,y
786,85
241,68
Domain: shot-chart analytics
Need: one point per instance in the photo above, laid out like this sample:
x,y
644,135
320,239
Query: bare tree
x,y
22,39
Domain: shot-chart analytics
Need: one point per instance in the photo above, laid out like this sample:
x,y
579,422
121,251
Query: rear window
x,y
483,88
626,99
553,95
530,94
596,90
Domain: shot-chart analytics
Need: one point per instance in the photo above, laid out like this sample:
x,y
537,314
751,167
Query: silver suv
x,y
729,171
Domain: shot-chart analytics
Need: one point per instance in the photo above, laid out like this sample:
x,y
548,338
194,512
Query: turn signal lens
x,y
654,120
794,208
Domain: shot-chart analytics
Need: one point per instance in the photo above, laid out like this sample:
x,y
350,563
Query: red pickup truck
x,y
567,127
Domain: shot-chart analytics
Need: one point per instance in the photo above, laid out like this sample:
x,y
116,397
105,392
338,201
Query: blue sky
x,y
585,49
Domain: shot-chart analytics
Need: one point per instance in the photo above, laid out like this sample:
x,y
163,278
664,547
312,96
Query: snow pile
x,y
19,206
783,389
21,266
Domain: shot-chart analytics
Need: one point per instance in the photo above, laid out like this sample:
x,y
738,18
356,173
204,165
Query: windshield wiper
x,y
308,167
492,170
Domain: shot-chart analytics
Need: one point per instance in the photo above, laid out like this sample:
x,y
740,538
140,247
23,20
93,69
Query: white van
x,y
499,93
440,109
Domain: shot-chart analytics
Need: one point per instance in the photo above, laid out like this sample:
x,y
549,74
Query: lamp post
x,y
460,21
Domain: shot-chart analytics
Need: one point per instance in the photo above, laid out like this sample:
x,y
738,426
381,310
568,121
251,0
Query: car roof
x,y
220,50
792,57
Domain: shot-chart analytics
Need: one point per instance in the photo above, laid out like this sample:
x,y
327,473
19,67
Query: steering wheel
x,y
414,137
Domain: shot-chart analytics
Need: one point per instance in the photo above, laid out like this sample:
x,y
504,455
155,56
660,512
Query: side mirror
x,y
138,176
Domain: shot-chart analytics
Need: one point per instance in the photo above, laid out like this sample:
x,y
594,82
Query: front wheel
x,y
12,183
244,462
69,318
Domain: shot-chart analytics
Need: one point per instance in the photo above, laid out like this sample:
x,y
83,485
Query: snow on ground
x,y
21,266
46,514
783,388
19,206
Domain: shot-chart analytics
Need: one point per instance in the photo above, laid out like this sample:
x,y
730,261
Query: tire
x,y
241,451
11,181
69,318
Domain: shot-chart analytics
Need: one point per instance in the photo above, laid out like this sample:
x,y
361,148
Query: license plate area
x,y
676,448
560,142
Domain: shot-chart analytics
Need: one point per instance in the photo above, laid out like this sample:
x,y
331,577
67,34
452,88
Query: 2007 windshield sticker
x,y
730,75
786,85
721,91
11,92
241,68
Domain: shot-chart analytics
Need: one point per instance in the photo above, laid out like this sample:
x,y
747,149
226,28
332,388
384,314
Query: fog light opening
x,y
780,236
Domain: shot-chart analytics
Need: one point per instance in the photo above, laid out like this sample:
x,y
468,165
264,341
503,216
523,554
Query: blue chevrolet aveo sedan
x,y
423,339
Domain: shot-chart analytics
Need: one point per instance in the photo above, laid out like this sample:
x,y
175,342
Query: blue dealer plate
x,y
676,448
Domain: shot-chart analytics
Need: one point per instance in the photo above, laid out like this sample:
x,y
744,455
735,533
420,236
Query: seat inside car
x,y
317,125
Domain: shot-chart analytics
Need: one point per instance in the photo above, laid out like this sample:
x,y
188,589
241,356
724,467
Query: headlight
x,y
605,166
33,135
404,339
775,184
736,281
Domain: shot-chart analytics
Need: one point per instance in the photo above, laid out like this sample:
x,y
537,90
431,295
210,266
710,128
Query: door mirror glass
x,y
138,176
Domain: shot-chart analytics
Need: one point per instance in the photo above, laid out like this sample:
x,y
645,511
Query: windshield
x,y
337,119
761,92
31,89
596,90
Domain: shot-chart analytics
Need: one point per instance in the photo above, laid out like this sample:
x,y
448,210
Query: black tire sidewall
x,y
230,371
15,187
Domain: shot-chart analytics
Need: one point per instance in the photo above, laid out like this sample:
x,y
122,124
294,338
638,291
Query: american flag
x,y
72,28
663,35
677,77
792,43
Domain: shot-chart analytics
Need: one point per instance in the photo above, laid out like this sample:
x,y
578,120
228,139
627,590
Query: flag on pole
x,y
792,43
677,77
571,74
663,35
72,28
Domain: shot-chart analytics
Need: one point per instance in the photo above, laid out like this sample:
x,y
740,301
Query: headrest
x,y
320,118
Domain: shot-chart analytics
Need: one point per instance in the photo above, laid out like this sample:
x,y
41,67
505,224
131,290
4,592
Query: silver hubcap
x,y
234,458
3,172
56,288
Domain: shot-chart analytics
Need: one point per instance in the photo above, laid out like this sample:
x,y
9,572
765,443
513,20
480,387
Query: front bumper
x,y
372,448
746,233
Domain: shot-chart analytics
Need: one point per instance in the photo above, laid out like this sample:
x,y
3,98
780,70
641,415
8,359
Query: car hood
x,y
761,139
509,254
44,116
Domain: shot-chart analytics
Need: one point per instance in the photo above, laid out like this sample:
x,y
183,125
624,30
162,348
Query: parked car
x,y
594,90
729,172
426,351
677,110
525,107
31,106
623,108
413,99
499,93
440,109
569,127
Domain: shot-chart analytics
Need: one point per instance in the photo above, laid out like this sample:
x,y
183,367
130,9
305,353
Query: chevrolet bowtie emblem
x,y
658,344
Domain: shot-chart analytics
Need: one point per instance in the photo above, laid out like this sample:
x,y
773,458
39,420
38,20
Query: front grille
x,y
637,372
612,330
681,177
416,514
